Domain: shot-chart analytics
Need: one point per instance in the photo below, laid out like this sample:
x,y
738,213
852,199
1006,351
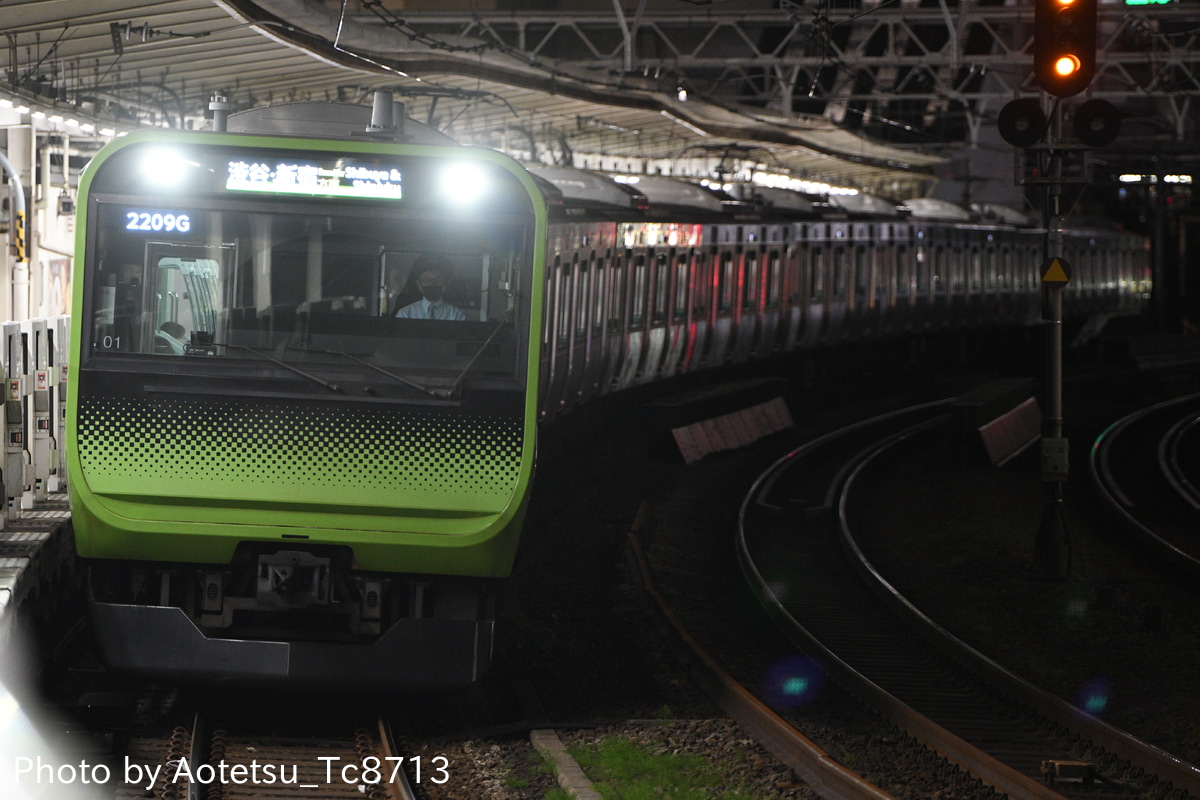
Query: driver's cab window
x,y
439,286
186,295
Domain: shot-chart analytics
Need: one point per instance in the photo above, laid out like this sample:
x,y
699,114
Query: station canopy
x,y
665,86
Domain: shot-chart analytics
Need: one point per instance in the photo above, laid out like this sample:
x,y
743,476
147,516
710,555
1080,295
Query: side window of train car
x,y
1004,267
903,269
975,270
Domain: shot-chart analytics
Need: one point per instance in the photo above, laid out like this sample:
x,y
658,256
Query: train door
x,y
726,270
677,314
748,271
839,282
634,338
815,289
991,278
940,279
905,270
885,279
1002,250
923,302
597,353
615,313
658,281
1027,278
578,324
858,297
793,296
562,332
700,308
954,267
972,248
772,330
550,379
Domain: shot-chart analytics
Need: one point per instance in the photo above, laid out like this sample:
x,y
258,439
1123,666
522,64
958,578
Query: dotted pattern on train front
x,y
316,454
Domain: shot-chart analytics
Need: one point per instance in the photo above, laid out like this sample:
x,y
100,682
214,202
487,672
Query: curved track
x,y
1141,465
800,557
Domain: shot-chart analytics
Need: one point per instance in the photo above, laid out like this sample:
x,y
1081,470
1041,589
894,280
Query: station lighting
x,y
1064,45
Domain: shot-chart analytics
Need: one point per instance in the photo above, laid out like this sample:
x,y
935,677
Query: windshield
x,y
309,282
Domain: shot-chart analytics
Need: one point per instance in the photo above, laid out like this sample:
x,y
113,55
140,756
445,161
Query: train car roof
x,y
674,193
320,120
863,204
586,189
933,209
994,212
784,200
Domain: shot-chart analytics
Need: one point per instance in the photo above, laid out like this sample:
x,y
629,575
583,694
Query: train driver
x,y
433,271
170,339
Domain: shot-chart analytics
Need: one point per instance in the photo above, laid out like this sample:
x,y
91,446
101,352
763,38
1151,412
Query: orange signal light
x,y
1066,66
1064,45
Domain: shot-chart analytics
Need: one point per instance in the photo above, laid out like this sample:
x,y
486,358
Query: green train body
x,y
273,475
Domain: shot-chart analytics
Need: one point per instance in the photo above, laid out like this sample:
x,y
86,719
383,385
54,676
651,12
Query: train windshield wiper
x,y
471,364
333,387
406,381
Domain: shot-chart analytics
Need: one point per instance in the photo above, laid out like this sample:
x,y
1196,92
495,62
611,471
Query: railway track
x,y
799,555
166,744
1143,468
223,756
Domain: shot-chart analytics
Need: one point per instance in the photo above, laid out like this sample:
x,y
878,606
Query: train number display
x,y
158,221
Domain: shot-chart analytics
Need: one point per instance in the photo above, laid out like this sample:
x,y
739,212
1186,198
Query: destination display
x,y
340,178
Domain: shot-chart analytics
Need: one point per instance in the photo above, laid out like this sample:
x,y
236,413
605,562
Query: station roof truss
x,y
872,94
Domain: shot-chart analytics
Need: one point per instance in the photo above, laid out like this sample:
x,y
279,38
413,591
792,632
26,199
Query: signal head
x,y
1064,45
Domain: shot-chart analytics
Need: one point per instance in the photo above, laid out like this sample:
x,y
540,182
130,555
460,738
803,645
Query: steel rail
x,y
957,750
399,787
1169,455
1180,773
1119,503
823,773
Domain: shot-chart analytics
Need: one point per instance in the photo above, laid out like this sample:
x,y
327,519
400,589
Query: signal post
x,y
1064,62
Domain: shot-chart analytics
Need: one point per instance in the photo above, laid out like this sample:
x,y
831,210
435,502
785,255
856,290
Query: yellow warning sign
x,y
1056,270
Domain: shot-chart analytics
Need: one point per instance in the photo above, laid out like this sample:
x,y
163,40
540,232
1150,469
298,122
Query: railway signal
x,y
1064,45
1022,123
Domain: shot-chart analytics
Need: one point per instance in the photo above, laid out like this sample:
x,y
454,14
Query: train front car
x,y
302,425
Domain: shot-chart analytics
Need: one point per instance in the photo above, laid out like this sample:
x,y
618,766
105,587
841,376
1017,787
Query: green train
x,y
302,414
311,354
